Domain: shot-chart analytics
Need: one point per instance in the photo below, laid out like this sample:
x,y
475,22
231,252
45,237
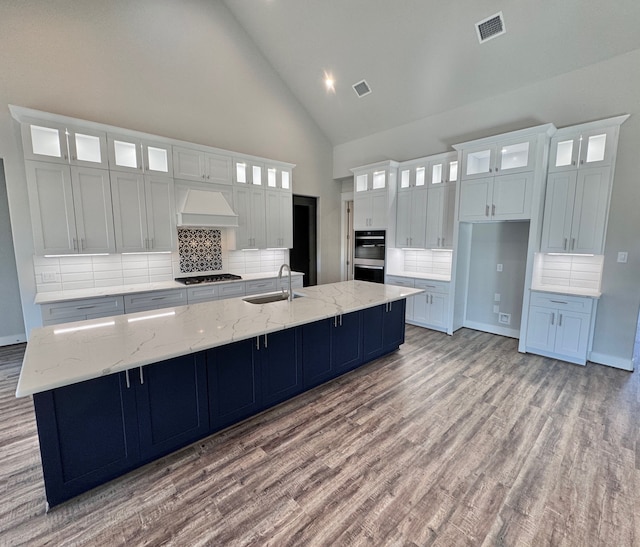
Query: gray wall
x,y
492,244
11,324
598,91
178,69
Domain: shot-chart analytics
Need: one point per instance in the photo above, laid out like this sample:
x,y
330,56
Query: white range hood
x,y
205,209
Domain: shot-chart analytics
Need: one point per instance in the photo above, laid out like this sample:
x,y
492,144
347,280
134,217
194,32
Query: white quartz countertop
x,y
421,275
78,294
571,291
73,352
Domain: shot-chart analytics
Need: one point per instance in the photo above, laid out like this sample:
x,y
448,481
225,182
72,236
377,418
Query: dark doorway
x,y
304,254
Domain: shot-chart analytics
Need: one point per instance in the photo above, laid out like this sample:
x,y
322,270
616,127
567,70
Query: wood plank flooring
x,y
449,441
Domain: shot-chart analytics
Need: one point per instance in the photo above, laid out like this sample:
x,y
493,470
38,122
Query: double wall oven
x,y
369,256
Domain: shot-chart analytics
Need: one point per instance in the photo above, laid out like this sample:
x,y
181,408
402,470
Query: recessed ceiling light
x,y
329,82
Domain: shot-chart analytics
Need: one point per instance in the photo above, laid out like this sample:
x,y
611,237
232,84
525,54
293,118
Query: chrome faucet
x,y
290,296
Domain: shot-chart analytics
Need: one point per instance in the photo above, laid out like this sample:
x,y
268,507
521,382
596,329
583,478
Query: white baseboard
x,y
492,329
611,361
13,339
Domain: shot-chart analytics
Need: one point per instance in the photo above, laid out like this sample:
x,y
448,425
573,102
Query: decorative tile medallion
x,y
200,250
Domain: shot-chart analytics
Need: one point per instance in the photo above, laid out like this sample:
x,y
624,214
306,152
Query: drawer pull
x,y
158,298
558,301
85,307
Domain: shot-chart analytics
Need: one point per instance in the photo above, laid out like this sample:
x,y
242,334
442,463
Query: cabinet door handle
x,y
141,376
573,162
493,210
565,244
581,162
335,321
126,375
486,211
340,319
573,243
438,242
490,171
431,299
390,305
152,243
560,320
75,244
496,169
265,342
553,318
443,241
257,342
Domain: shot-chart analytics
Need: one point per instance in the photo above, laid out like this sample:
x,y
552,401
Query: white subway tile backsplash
x,y
73,285
427,261
76,276
578,271
110,282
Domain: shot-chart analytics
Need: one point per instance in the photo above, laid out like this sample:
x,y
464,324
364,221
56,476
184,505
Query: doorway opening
x,y
303,255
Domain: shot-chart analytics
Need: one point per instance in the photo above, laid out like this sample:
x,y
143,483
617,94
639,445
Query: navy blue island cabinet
x,y
93,431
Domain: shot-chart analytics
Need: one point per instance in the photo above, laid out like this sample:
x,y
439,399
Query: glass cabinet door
x,y
515,156
421,172
437,172
405,178
362,182
596,148
379,180
478,162
285,179
45,142
563,153
452,168
157,158
88,148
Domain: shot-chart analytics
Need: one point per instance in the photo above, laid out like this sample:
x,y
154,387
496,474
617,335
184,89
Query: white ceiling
x,y
422,57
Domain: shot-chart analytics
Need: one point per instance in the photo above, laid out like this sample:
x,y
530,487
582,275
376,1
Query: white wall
x,y
178,69
605,89
11,324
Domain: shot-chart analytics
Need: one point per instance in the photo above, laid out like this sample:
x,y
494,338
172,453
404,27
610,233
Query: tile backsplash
x,y
200,250
66,273
428,262
569,271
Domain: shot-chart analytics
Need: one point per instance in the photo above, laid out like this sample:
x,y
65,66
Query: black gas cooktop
x,y
212,278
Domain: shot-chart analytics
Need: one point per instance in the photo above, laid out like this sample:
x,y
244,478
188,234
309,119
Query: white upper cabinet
x,y
502,157
443,169
249,172
196,165
70,209
139,156
374,197
499,174
249,204
143,211
279,219
61,143
582,149
278,177
579,184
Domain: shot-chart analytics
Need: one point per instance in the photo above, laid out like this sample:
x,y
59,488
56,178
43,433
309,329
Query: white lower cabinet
x,y
154,300
431,308
560,326
428,309
80,310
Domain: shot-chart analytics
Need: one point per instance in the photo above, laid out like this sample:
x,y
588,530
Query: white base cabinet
x,y
429,309
81,310
561,326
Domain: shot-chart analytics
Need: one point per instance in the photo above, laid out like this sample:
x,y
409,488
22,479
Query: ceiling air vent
x,y
490,27
362,88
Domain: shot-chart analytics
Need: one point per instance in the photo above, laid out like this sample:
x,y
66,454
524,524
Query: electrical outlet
x,y
623,256
499,268
496,309
48,277
496,297
504,318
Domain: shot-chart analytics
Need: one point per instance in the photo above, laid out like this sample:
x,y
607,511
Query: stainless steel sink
x,y
271,297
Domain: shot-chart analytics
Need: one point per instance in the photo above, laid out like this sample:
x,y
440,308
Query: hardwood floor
x,y
449,441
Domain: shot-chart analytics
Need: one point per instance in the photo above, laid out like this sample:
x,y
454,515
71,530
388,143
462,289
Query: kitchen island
x,y
112,394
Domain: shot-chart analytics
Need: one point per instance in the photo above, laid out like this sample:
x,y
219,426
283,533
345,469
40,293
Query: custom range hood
x,y
205,209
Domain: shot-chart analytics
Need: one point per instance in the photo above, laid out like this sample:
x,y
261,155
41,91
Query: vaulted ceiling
x,y
422,57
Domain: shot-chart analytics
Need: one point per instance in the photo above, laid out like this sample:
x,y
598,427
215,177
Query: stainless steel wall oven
x,y
369,256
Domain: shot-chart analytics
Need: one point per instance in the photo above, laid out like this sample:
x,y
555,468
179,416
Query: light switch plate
x,y
623,256
496,309
496,297
499,267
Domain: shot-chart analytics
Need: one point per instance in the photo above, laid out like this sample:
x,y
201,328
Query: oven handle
x,y
368,267
370,237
